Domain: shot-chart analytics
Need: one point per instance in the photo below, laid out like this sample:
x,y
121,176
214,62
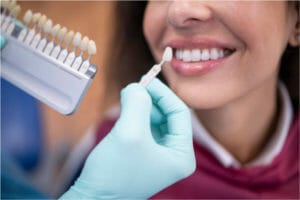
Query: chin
x,y
197,100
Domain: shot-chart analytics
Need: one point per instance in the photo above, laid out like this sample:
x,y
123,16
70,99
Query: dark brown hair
x,y
133,57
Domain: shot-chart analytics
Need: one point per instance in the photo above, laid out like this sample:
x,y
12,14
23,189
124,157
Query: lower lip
x,y
196,68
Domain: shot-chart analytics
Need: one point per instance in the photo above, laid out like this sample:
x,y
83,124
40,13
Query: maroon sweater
x,y
280,179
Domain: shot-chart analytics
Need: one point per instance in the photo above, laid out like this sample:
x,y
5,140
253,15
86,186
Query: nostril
x,y
186,13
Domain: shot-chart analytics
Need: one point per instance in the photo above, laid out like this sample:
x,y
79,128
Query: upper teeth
x,y
196,55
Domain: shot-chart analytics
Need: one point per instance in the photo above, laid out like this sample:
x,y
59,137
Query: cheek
x,y
154,26
266,42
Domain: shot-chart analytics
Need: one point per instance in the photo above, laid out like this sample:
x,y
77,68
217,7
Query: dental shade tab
x,y
33,61
154,71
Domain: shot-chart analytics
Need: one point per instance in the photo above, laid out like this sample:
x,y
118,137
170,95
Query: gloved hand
x,y
2,41
133,161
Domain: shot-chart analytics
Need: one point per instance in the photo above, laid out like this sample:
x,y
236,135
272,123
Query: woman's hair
x,y
132,57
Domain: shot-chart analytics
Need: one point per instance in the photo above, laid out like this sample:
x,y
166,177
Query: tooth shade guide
x,y
155,69
38,36
84,66
29,36
35,40
15,11
27,17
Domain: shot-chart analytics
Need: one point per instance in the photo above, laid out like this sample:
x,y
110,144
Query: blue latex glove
x,y
136,160
2,41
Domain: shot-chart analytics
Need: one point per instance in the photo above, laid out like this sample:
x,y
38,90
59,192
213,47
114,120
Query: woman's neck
x,y
243,127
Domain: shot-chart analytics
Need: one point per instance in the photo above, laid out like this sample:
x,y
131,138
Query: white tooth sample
x,y
214,55
13,9
55,30
63,54
221,53
84,43
186,56
83,46
41,22
91,47
61,33
205,55
167,55
196,55
31,33
11,5
47,28
50,45
27,18
76,42
178,54
15,12
3,14
35,17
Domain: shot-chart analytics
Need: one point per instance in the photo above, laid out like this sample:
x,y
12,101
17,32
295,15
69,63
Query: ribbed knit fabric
x,y
279,180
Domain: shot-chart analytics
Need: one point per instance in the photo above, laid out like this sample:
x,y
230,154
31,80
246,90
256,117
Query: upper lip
x,y
200,43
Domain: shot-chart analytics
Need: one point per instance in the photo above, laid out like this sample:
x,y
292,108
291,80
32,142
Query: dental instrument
x,y
83,46
60,35
50,45
11,25
27,19
31,60
64,53
71,57
32,32
154,71
91,48
36,39
46,28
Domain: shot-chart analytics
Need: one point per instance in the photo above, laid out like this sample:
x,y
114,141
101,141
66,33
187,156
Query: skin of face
x,y
258,31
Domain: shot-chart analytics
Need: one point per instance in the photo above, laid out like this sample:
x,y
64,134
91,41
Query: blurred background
x,y
49,147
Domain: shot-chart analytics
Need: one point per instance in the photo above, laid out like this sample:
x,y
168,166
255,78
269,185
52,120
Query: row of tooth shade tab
x,y
56,41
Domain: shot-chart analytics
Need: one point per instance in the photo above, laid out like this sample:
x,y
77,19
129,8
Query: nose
x,y
185,14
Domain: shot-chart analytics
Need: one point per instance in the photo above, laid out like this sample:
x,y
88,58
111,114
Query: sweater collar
x,y
270,151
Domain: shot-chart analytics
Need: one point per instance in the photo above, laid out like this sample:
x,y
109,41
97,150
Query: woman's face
x,y
222,51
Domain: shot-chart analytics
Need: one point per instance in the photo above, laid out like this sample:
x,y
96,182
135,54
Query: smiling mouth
x,y
199,61
201,55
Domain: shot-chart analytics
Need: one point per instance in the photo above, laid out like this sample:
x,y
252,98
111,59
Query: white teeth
x,y
221,53
205,55
197,55
214,55
178,54
186,56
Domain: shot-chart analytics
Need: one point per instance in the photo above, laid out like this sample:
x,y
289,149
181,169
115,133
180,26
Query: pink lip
x,y
198,43
197,68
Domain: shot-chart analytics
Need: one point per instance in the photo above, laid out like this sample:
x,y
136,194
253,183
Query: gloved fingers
x,y
136,107
175,111
156,115
2,41
19,24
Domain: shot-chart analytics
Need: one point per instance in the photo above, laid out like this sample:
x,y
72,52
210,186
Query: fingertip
x,y
135,92
133,88
154,83
2,41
